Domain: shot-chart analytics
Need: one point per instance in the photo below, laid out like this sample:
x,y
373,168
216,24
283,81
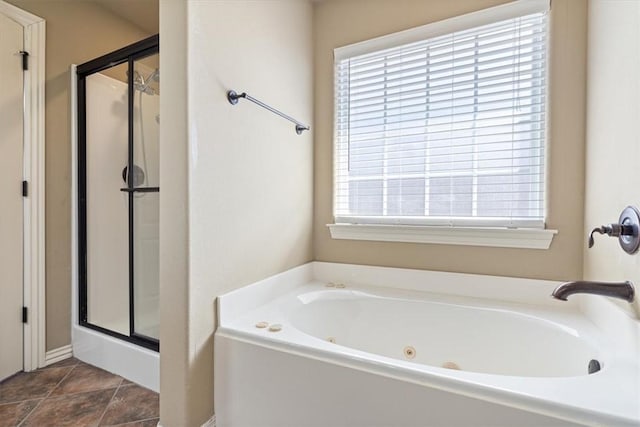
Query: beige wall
x,y
174,221
249,176
613,139
76,32
341,22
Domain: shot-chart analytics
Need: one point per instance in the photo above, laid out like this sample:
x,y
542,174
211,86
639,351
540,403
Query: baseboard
x,y
58,354
210,423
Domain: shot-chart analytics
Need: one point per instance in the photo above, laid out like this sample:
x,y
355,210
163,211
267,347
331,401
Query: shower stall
x,y
118,194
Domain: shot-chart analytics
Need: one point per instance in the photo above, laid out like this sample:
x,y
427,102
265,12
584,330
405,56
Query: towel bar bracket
x,y
233,97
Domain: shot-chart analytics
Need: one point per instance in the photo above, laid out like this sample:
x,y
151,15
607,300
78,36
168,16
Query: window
x,y
445,125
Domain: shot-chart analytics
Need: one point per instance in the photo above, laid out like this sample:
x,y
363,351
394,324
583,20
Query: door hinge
x,y
25,188
25,315
25,59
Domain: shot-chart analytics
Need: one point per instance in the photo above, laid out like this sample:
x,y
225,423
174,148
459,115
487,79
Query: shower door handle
x,y
141,190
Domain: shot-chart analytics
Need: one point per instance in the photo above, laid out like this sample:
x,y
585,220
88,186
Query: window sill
x,y
525,238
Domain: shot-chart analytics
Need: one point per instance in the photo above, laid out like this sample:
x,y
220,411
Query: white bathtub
x,y
398,347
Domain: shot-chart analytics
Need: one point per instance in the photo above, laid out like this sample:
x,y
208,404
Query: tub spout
x,y
622,290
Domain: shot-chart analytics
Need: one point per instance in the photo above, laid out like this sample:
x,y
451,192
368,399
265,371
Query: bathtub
x,y
332,345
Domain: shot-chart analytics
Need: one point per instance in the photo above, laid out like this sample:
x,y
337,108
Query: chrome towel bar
x,y
233,97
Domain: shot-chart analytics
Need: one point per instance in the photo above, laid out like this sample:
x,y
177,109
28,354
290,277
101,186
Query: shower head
x,y
142,84
155,76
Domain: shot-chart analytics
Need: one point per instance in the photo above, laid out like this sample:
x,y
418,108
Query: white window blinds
x,y
448,130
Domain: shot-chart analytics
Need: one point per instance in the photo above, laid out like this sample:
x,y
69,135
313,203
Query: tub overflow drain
x,y
331,339
409,352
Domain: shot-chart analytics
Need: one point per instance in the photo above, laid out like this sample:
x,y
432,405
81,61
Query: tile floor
x,y
72,393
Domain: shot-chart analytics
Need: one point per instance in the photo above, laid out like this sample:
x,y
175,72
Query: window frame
x,y
475,231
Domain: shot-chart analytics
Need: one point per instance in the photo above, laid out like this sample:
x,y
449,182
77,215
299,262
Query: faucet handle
x,y
591,239
627,230
609,230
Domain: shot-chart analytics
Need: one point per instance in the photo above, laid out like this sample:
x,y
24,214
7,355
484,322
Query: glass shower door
x,y
106,233
119,193
146,208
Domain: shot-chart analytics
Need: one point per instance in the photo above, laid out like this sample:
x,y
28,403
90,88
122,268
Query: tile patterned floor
x,y
72,393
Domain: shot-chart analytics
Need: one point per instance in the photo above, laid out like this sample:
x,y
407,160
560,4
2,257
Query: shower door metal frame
x,y
129,55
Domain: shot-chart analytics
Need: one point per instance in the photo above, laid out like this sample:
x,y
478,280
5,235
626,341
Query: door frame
x,y
34,331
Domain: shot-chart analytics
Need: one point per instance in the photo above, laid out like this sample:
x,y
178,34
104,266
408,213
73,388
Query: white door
x,y
11,215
